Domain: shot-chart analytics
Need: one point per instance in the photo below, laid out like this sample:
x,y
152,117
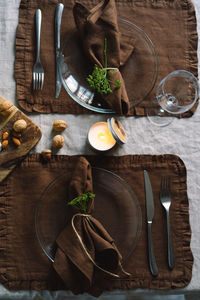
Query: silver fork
x,y
165,199
38,70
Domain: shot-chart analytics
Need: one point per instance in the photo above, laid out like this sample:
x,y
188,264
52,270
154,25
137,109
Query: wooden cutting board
x,y
12,154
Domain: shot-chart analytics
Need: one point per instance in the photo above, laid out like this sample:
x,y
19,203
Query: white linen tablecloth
x,y
182,137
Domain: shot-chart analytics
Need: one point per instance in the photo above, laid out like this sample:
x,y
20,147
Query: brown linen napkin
x,y
171,25
95,26
84,244
24,265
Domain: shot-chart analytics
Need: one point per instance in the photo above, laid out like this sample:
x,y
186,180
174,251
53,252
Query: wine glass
x,y
175,94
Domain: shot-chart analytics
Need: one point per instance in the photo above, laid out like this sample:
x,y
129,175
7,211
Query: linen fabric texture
x,y
171,25
24,265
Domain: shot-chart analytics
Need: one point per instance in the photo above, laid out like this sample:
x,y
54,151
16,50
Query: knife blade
x,y
150,216
58,16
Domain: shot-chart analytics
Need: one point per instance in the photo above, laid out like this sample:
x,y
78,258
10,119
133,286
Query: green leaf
x,y
98,80
81,202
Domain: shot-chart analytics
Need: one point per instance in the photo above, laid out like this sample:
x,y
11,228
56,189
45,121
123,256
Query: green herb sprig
x,y
98,79
81,202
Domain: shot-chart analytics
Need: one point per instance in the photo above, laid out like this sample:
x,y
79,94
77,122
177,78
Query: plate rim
x,y
114,175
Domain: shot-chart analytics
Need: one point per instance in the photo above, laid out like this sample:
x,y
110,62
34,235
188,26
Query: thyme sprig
x,y
98,80
81,202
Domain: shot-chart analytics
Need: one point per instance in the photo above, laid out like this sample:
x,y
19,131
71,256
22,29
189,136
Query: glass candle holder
x,y
104,136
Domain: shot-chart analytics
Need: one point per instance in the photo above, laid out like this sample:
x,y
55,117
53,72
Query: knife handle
x,y
58,16
152,260
38,22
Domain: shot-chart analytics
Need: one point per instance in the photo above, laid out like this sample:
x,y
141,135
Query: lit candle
x,y
100,137
103,136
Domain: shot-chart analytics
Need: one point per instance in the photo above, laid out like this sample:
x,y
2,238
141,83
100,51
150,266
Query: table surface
x,y
182,137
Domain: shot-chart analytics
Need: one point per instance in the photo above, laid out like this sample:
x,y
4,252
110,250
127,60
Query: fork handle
x,y
170,245
38,21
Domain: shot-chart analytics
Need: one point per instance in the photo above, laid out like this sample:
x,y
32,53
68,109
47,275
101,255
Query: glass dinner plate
x,y
139,73
123,218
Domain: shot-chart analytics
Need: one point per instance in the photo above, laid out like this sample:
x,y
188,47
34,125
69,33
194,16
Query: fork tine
x,y
38,82
33,80
167,185
42,80
164,185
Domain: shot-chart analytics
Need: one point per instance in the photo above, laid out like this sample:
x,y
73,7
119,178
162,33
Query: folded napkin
x,y
95,26
84,244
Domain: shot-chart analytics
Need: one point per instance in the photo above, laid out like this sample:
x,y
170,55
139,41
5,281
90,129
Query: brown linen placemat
x,y
171,25
23,265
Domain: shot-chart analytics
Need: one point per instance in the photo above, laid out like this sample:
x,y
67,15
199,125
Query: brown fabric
x,y
70,254
23,265
95,26
171,25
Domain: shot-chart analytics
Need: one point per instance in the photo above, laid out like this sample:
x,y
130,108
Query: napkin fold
x,y
84,245
95,26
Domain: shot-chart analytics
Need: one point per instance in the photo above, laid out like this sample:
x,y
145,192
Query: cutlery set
x,y
38,70
165,199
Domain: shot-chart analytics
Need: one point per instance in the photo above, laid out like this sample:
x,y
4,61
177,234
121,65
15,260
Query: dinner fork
x,y
38,70
165,199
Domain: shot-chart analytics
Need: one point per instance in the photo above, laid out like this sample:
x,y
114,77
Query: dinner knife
x,y
58,16
150,215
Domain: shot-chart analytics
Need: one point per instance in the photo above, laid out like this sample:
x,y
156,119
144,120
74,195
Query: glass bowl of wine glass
x,y
175,94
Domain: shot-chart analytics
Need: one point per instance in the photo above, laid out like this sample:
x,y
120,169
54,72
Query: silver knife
x,y
150,215
58,16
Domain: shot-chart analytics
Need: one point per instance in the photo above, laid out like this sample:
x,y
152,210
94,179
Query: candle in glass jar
x,y
100,137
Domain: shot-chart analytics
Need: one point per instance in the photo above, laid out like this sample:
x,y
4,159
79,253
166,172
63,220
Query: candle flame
x,y
105,136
